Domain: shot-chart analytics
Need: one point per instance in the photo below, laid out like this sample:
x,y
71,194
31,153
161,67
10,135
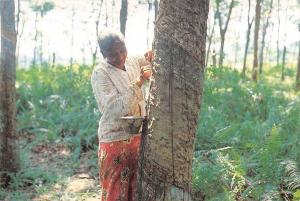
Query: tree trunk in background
x,y
148,22
156,8
72,36
210,36
298,70
41,48
284,42
256,34
106,14
283,63
278,31
9,160
19,36
165,167
263,40
123,16
250,22
221,52
53,59
214,57
35,40
223,30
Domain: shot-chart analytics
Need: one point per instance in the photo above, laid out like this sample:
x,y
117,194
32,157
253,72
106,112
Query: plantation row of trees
x,y
263,18
264,30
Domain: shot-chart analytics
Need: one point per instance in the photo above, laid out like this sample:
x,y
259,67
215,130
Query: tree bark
x,y
210,36
35,39
250,22
263,40
278,31
165,167
214,58
223,30
298,70
155,8
123,16
72,35
9,161
148,22
283,64
53,59
256,34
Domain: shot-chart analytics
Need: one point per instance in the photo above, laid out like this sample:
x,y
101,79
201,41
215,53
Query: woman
x,y
116,84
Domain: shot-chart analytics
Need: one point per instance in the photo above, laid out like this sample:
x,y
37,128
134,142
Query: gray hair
x,y
107,38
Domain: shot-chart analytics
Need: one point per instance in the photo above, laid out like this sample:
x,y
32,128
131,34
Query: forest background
x,y
248,136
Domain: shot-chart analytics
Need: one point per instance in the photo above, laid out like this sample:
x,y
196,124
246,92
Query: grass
x,y
247,145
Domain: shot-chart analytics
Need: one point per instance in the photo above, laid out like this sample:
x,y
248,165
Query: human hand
x,y
149,55
146,72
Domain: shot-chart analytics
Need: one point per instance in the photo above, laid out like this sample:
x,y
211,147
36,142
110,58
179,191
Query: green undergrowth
x,y
247,145
248,137
58,105
57,125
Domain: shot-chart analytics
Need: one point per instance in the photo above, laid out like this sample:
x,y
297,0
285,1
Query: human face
x,y
117,54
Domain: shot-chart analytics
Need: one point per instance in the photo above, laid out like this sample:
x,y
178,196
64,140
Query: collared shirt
x,y
117,95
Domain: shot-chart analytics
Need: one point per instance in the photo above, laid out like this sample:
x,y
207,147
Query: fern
x,y
292,179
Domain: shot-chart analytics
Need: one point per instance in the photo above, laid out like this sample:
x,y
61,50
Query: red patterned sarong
x,y
118,163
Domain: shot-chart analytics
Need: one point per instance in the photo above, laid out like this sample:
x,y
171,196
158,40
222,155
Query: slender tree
x,y
223,27
53,60
148,21
40,11
94,50
256,34
20,24
35,39
155,8
209,40
249,23
123,16
106,14
72,35
284,42
267,15
283,63
9,161
165,168
298,69
278,31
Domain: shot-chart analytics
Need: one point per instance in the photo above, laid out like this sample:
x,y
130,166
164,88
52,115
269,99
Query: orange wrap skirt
x,y
118,162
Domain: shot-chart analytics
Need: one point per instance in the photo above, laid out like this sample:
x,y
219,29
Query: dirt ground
x,y
77,180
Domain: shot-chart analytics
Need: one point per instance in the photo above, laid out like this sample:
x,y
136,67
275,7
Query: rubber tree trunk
x,y
249,22
53,59
210,37
72,35
256,34
123,16
155,8
35,40
283,64
263,40
298,70
9,160
165,167
278,32
246,50
223,29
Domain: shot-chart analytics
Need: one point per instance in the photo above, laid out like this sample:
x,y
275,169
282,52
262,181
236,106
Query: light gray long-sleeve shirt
x,y
117,95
